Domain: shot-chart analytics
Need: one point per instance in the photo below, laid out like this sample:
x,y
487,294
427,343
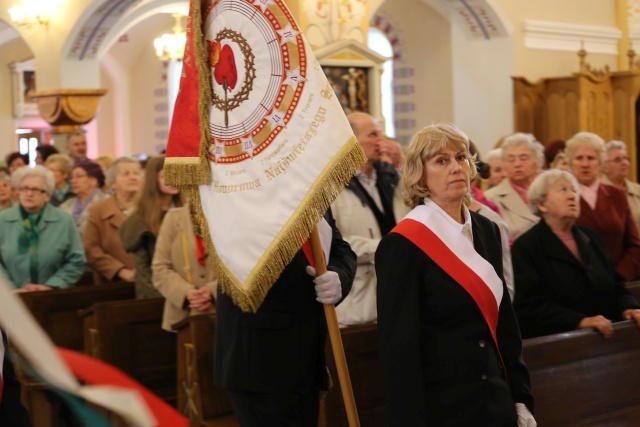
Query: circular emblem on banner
x,y
258,68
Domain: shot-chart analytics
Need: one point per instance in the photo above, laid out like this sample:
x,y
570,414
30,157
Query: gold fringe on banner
x,y
325,190
189,173
191,170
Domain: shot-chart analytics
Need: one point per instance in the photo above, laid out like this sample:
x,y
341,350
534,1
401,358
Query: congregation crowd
x,y
69,219
555,232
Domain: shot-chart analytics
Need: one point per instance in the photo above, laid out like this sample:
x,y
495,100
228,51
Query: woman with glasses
x,y
616,170
523,159
40,248
87,180
604,207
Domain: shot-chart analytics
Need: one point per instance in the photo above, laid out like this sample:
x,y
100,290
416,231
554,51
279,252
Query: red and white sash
x,y
429,229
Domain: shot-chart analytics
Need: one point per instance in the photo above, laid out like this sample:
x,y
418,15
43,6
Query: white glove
x,y
328,288
525,419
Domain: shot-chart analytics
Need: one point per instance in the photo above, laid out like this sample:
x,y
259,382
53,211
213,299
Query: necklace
x,y
126,210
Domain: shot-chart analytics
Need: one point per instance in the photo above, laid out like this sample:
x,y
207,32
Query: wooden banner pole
x,y
334,336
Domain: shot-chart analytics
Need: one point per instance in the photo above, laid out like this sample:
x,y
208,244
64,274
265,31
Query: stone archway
x,y
472,83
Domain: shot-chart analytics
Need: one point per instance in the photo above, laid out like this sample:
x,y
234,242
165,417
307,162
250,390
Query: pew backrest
x,y
56,311
363,360
128,335
634,288
579,378
198,398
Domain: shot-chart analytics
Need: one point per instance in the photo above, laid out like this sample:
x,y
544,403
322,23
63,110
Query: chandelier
x,y
30,13
170,47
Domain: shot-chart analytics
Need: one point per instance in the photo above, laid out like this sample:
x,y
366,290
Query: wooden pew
x,y
363,359
209,406
86,279
127,334
581,379
57,311
578,378
634,288
198,399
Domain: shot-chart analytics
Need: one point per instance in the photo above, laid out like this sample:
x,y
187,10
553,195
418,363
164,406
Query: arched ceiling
x,y
94,26
479,19
7,33
106,21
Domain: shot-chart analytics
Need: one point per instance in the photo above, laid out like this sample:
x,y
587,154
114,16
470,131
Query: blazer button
x,y
482,343
484,377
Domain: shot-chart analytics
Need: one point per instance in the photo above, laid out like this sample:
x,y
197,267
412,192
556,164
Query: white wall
x,y
482,87
425,66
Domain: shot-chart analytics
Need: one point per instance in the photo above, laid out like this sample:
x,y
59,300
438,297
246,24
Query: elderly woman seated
x,y
604,207
523,159
60,165
105,252
40,248
564,276
616,171
87,180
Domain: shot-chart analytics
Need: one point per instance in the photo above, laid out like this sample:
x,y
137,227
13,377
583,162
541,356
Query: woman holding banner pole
x,y
449,341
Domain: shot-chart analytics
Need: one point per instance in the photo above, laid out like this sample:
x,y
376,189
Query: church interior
x,y
491,67
449,60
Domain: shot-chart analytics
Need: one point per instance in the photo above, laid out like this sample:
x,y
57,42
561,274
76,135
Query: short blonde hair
x,y
518,139
425,145
496,153
560,157
113,169
104,161
539,188
585,139
615,145
63,162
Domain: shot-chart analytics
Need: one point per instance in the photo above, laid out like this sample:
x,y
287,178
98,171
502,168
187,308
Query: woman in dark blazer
x,y
449,341
564,276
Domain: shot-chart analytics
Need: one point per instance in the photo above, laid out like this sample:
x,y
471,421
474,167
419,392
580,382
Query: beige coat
x,y
168,267
515,212
101,240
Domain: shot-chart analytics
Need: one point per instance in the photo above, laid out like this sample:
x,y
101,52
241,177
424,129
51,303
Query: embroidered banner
x,y
258,142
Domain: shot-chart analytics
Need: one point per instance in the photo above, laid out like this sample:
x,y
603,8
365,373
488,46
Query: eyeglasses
x,y
32,190
619,159
78,175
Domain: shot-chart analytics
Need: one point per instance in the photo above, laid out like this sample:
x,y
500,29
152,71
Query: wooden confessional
x,y
598,101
